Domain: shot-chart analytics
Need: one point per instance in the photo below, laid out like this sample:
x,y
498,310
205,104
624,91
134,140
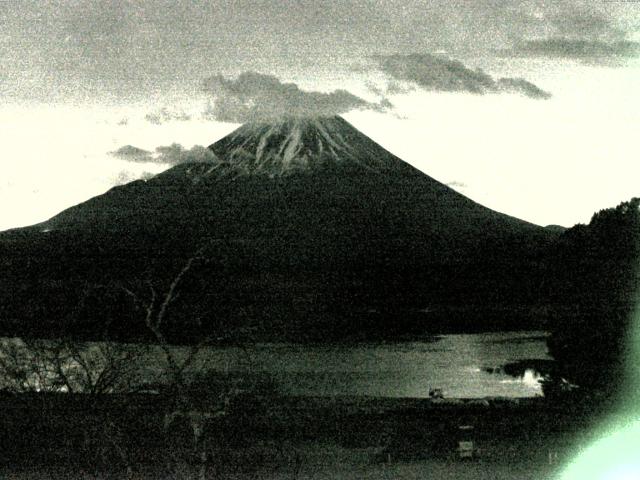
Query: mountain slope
x,y
290,144
311,229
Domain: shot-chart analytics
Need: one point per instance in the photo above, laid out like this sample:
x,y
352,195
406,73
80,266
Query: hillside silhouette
x,y
311,232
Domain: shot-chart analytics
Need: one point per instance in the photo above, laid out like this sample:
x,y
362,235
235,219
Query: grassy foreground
x,y
62,436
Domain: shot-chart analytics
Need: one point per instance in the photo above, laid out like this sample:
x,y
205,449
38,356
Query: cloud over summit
x,y
440,73
255,96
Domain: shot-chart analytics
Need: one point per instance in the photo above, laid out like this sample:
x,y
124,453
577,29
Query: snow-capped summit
x,y
288,144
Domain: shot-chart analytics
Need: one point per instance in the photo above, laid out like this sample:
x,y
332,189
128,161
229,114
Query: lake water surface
x,y
453,363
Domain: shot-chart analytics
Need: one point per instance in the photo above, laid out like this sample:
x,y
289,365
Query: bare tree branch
x,y
171,293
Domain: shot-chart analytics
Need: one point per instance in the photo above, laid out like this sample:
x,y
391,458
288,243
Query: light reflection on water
x,y
454,363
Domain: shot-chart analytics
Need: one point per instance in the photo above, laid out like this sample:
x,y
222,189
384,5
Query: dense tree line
x,y
593,283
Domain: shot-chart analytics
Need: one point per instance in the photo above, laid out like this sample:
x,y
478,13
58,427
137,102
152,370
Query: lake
x,y
454,363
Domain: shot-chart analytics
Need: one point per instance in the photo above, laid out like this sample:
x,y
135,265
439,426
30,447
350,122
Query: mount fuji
x,y
311,231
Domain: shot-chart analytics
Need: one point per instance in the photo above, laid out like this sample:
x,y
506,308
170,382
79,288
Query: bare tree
x,y
64,365
187,402
155,306
90,369
99,368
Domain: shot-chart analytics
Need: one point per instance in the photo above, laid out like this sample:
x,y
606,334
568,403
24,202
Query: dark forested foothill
x,y
593,283
311,232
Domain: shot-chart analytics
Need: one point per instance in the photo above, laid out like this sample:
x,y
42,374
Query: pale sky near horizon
x,y
80,79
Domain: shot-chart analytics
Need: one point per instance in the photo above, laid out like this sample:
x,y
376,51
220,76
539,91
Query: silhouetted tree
x,y
197,395
65,365
593,280
96,368
88,369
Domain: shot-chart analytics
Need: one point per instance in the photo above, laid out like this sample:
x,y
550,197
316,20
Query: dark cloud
x,y
374,88
394,88
253,96
166,155
176,153
435,73
563,20
577,33
523,87
165,115
590,24
579,49
439,73
132,154
132,50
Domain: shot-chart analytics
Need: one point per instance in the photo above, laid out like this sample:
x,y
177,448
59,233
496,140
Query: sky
x,y
529,108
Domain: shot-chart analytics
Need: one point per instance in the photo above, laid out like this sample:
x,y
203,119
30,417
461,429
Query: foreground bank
x,y
116,436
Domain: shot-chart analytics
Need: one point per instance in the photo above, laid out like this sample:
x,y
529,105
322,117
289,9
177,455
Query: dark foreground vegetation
x,y
594,282
240,428
124,436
